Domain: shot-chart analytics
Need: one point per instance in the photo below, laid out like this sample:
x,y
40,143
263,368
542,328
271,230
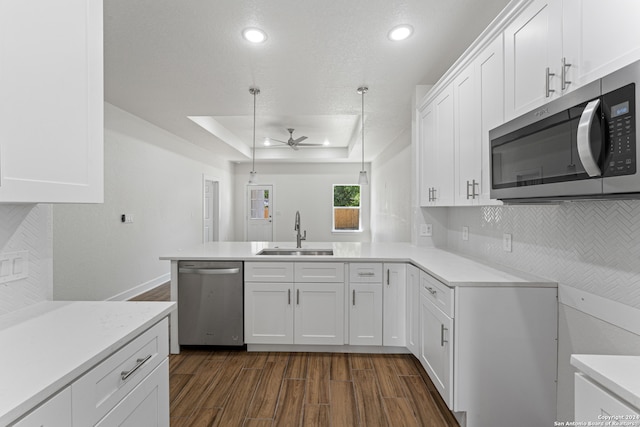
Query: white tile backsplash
x,y
26,230
590,245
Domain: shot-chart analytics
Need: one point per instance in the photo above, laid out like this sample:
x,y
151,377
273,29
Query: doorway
x,y
260,212
211,212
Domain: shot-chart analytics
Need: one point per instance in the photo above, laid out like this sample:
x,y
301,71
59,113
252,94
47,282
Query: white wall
x,y
592,246
304,187
27,228
96,256
391,192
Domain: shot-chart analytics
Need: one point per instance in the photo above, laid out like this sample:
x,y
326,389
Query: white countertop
x,y
44,347
452,269
617,373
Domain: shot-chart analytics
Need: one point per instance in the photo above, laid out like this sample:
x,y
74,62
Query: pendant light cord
x,y
253,164
363,92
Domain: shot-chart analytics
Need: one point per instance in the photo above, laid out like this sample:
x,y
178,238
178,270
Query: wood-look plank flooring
x,y
213,387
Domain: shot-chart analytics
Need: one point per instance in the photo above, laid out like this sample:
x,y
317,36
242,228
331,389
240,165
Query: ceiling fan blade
x,y
310,145
277,140
298,140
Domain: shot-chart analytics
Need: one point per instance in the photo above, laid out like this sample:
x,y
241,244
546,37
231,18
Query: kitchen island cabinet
x,y
79,379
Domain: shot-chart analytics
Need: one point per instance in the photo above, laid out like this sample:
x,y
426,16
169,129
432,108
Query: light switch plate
x,y
506,242
465,233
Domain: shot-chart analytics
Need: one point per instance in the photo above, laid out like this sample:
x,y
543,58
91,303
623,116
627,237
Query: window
x,y
346,208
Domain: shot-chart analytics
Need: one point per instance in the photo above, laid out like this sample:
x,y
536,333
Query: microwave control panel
x,y
620,118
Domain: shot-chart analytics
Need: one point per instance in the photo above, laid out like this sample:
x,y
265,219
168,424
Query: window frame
x,y
333,210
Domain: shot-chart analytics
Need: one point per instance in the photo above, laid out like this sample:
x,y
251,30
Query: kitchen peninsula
x,y
480,331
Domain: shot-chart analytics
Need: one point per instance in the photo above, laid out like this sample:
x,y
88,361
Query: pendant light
x,y
252,175
362,179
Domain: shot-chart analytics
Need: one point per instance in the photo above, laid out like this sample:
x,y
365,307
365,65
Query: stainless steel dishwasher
x,y
210,303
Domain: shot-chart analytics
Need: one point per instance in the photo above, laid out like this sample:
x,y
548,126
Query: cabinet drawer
x,y
55,412
365,272
268,272
437,292
592,401
146,405
100,389
319,272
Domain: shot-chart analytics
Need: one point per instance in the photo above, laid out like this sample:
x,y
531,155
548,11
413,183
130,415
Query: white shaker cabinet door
x,y
56,412
533,44
413,309
598,38
268,313
592,401
51,101
365,314
319,313
394,304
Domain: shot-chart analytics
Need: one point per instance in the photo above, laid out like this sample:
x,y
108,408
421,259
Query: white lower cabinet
x,y
365,314
594,402
394,303
436,342
146,406
413,310
55,412
307,309
479,344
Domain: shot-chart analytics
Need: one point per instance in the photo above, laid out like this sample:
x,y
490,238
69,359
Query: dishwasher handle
x,y
209,270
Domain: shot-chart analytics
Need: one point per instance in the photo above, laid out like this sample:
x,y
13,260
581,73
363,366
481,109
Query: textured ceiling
x,y
168,60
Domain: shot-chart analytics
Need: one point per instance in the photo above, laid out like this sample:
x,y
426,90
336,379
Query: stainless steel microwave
x,y
580,146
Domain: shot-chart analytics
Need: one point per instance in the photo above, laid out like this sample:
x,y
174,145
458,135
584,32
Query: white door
x,y
259,216
210,229
365,317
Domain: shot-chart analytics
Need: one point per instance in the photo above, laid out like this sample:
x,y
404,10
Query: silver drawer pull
x,y
442,331
431,290
139,362
366,274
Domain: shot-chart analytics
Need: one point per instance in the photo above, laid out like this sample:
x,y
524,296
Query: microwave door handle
x,y
584,138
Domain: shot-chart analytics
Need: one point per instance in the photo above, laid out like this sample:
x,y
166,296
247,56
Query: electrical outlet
x,y
465,233
426,230
126,218
506,242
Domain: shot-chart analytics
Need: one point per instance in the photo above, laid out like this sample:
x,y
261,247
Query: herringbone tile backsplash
x,y
593,246
27,228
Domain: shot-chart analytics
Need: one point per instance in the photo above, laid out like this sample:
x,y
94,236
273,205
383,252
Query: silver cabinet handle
x,y
289,296
209,270
563,74
434,195
431,290
468,185
547,85
297,296
366,274
584,139
474,184
442,340
388,276
139,362
354,297
430,196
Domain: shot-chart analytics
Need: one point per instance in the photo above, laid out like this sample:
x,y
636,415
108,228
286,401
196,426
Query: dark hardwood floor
x,y
212,387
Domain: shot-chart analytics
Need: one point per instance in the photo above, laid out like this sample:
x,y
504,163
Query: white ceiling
x,y
168,60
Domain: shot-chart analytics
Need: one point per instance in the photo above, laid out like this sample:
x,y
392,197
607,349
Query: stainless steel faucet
x,y
299,238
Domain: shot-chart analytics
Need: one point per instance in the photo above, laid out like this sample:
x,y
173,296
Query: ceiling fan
x,y
295,143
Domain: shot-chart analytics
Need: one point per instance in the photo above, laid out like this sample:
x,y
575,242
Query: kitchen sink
x,y
298,251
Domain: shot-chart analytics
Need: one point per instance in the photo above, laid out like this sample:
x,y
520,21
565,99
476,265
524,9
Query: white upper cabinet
x,y
467,139
51,101
489,70
598,38
533,54
437,151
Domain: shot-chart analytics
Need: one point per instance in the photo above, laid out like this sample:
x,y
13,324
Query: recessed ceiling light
x,y
401,32
326,142
254,35
267,142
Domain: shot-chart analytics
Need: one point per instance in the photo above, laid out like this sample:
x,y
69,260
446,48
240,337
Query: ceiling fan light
x,y
254,35
400,32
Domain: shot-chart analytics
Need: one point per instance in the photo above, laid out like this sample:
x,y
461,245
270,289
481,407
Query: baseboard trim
x,y
327,348
618,314
142,288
